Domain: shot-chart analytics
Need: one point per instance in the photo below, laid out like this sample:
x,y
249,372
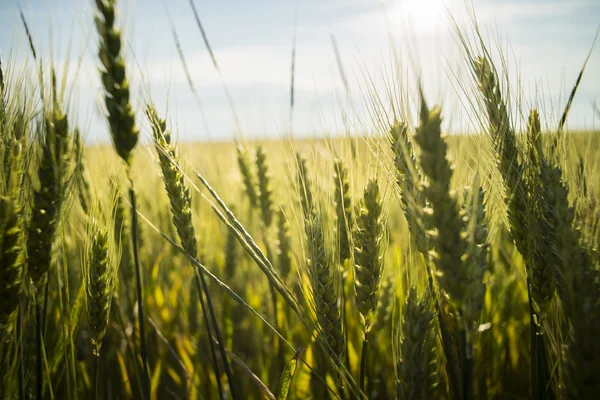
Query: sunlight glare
x,y
421,16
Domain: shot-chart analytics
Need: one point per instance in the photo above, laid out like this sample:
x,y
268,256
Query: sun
x,y
421,16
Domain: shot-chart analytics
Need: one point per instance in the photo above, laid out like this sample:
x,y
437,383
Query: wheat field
x,y
406,264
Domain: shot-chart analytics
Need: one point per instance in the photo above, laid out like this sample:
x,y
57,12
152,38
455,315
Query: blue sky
x,y
546,40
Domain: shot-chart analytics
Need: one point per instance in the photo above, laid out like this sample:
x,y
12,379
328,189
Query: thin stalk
x,y
467,358
45,309
363,364
71,368
280,353
130,348
209,336
540,377
140,294
96,376
38,345
3,359
344,318
21,365
211,310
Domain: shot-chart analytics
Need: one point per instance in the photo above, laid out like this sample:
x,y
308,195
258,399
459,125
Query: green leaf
x,y
287,376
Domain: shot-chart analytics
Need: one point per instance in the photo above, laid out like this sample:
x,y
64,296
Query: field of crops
x,y
404,264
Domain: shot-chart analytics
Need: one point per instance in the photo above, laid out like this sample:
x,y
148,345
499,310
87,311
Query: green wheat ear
x,y
120,113
343,208
450,243
304,185
100,281
84,190
368,254
411,370
322,276
11,264
475,260
539,262
49,198
247,176
408,178
443,216
284,245
177,188
265,194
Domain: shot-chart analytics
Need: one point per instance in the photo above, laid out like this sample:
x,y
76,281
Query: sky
x,y
382,45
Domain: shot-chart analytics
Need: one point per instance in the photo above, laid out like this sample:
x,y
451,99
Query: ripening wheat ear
x,y
368,254
323,282
100,275
324,286
247,175
506,150
304,186
414,204
523,199
177,188
577,280
368,262
81,172
477,251
120,113
524,196
48,199
539,260
11,264
447,224
343,208
265,194
408,178
284,245
411,370
450,244
100,279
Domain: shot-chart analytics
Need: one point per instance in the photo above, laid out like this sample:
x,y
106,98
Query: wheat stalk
x,y
180,200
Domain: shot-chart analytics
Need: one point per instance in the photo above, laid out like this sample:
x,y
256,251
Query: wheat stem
x,y
140,292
